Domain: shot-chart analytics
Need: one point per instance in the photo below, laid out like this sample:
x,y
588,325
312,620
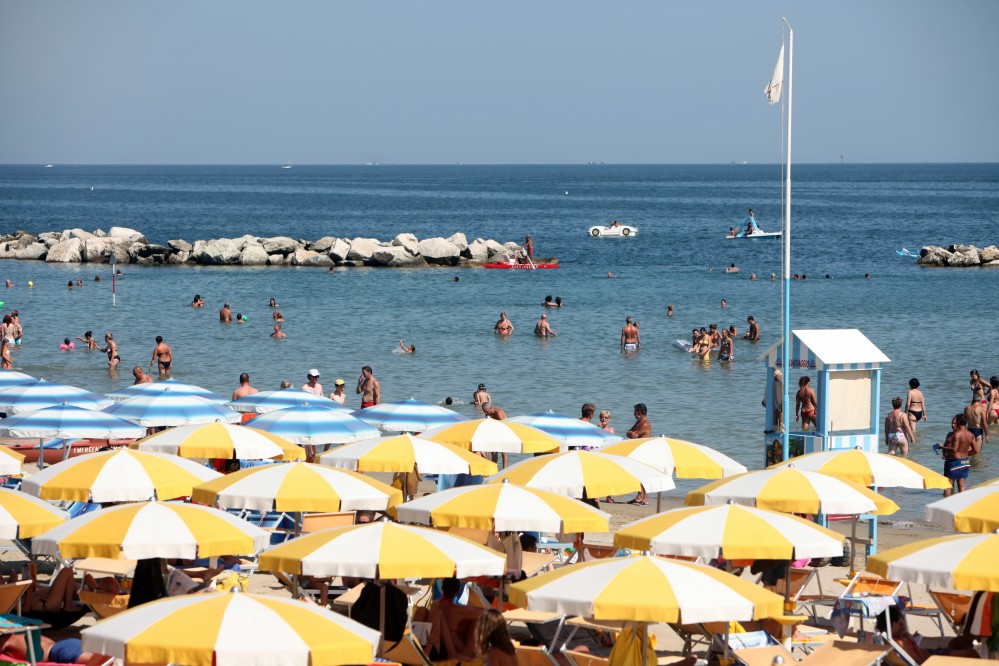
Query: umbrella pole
x,y
659,501
788,606
381,622
853,543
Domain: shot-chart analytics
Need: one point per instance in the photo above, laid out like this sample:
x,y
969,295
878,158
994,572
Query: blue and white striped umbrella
x,y
167,385
10,378
265,402
571,433
312,425
40,394
167,409
69,421
408,416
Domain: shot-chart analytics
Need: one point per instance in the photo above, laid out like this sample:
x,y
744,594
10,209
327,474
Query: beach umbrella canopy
x,y
731,531
503,507
220,440
407,416
232,630
793,491
264,402
686,459
153,529
10,461
69,421
404,453
646,589
123,475
10,378
383,550
297,487
23,516
570,433
39,394
868,469
961,562
312,425
490,435
574,473
169,409
171,386
974,510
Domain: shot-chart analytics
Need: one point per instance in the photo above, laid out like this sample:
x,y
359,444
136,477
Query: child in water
x,y
67,345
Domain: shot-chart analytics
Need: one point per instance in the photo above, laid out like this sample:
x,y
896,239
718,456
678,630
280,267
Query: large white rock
x,y
322,245
339,250
216,252
989,254
77,233
459,241
178,257
96,250
24,240
180,245
124,233
33,251
245,240
965,259
279,245
395,257
310,258
121,253
408,241
278,259
66,251
253,255
438,251
494,247
361,249
478,251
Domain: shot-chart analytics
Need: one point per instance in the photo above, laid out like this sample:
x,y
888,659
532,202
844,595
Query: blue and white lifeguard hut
x,y
845,371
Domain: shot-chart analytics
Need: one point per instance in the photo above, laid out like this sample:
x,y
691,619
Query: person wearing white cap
x,y
338,395
313,385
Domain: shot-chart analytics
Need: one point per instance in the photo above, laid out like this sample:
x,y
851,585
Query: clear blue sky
x,y
517,81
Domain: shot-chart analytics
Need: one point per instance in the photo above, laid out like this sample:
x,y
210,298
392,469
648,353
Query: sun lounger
x,y
941,660
845,653
530,655
577,658
409,652
812,601
11,595
763,655
896,654
873,585
313,522
953,607
104,604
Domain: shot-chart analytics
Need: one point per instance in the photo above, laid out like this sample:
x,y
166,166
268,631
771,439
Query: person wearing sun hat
x,y
313,385
338,395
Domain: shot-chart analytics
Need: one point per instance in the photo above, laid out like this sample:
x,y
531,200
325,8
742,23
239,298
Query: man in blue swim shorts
x,y
957,450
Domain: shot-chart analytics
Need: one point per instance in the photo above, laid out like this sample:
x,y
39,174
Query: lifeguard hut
x,y
844,369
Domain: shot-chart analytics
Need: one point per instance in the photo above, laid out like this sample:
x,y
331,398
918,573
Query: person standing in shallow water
x,y
898,432
915,406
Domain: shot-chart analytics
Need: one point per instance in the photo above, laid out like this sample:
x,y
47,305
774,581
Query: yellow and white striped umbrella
x,y
974,510
688,460
153,529
793,491
383,550
297,487
961,562
574,473
23,516
646,589
401,453
118,476
490,435
503,507
868,469
731,531
10,461
232,630
221,440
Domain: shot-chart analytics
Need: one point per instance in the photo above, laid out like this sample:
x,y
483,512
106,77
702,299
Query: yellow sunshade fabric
x,y
574,472
297,487
960,562
495,436
793,491
401,453
646,589
23,516
868,469
230,630
503,507
221,440
686,459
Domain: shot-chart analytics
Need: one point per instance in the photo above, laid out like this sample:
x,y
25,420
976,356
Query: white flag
x,y
776,84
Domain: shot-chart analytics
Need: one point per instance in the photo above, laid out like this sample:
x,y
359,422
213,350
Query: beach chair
x,y
409,652
577,658
896,654
313,522
872,585
11,595
530,655
812,601
953,607
104,604
592,551
941,660
845,653
763,655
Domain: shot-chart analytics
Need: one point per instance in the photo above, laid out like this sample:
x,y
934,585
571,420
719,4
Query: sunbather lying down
x,y
66,651
60,594
452,626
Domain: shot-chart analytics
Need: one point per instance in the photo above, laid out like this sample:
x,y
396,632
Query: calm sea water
x,y
935,324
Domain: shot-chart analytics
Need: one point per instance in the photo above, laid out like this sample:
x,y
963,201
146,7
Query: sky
x,y
518,81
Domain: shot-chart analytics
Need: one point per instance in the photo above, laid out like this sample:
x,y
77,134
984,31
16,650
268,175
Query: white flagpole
x,y
786,351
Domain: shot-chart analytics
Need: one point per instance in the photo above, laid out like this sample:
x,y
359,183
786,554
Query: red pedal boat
x,y
548,263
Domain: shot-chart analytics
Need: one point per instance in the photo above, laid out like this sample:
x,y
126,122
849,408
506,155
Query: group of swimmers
x,y
706,340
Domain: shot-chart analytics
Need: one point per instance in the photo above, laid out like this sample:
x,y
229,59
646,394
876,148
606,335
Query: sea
x,y
936,324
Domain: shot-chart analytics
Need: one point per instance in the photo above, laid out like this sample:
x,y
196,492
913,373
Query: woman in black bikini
x,y
915,406
111,350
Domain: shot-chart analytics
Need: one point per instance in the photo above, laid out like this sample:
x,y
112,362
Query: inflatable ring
x,y
626,232
595,233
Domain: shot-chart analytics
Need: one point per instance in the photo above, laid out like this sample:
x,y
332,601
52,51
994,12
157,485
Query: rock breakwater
x,y
959,256
122,245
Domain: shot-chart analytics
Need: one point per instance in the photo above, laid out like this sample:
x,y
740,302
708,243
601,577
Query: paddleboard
x,y
906,253
682,345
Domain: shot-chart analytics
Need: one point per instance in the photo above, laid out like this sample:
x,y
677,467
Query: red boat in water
x,y
527,266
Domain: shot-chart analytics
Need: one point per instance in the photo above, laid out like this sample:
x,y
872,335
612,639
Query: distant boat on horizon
x,y
286,165
49,166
